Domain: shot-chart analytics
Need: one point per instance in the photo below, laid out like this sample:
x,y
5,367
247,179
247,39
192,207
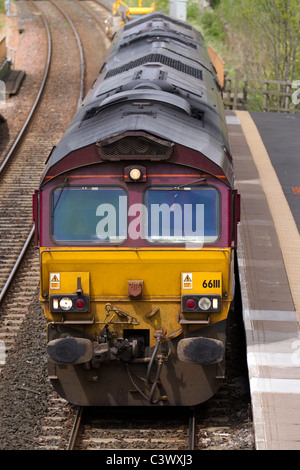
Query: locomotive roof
x,y
157,79
180,37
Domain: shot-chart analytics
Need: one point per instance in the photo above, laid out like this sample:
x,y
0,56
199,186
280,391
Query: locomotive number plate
x,y
202,282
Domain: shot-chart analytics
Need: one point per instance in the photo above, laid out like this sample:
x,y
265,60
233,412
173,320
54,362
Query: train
x,y
136,219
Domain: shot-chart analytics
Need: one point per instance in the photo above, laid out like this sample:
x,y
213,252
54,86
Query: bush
x,y
2,9
212,25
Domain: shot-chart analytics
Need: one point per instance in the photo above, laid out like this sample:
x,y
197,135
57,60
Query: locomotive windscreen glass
x,y
183,215
89,215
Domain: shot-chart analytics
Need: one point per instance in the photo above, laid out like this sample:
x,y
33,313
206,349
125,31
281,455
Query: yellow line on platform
x,y
286,228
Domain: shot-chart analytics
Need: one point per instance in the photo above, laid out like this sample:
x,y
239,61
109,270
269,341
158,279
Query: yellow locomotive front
x,y
136,283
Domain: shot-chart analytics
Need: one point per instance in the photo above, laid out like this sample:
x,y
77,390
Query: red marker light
x,y
190,303
80,303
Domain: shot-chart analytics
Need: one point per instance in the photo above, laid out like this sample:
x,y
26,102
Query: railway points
x,y
269,274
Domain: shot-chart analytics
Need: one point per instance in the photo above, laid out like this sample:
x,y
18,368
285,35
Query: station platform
x,y
265,150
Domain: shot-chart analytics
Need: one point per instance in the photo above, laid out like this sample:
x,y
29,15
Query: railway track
x,y
133,429
224,422
11,151
15,219
22,167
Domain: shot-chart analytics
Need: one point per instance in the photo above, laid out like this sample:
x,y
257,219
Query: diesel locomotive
x,y
136,222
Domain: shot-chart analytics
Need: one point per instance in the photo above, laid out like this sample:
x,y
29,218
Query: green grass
x,y
2,9
2,13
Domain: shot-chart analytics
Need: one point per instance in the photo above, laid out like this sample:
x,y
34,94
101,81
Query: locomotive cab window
x,y
88,214
183,215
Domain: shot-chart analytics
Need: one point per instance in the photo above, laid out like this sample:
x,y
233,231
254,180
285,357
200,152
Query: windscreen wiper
x,y
61,191
186,185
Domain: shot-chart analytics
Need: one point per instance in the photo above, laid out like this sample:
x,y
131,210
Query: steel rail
x,y
80,48
10,153
100,22
192,429
29,238
21,133
75,429
17,264
78,421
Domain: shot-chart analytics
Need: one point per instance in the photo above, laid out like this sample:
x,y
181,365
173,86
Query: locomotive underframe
x,y
147,344
167,381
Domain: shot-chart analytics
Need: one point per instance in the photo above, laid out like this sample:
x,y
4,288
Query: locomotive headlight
x,y
135,174
204,303
66,303
69,303
197,303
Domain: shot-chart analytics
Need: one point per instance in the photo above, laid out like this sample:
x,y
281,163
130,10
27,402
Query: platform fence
x,y
282,96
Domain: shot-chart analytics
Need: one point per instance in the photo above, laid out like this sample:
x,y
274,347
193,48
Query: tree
x,y
276,25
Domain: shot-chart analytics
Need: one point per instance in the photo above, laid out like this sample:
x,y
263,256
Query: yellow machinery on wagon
x,y
131,12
